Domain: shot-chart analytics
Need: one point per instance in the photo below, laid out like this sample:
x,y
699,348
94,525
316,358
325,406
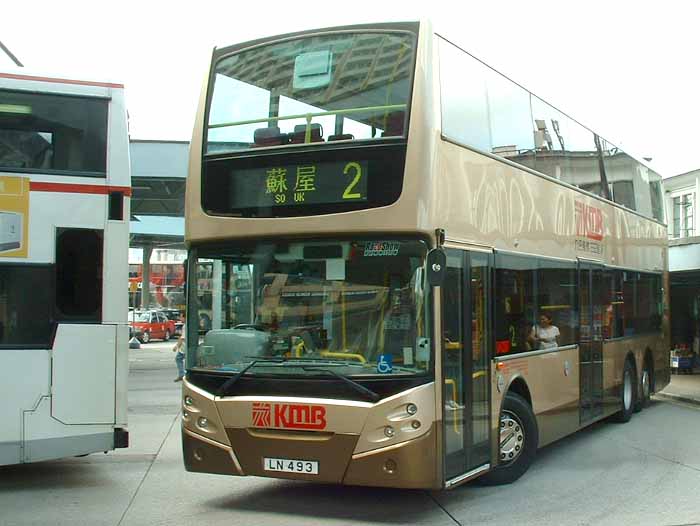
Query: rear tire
x,y
146,337
628,394
518,442
645,395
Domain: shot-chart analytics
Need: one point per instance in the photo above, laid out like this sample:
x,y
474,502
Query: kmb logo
x,y
589,221
289,416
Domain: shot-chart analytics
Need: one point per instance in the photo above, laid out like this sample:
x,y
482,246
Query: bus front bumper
x,y
410,464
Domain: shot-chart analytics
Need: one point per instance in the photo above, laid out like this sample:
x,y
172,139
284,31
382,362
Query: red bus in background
x,y
166,286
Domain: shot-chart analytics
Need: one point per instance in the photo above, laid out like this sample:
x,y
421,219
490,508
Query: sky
x,y
628,70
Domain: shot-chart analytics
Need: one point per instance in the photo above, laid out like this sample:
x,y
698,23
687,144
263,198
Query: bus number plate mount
x,y
287,465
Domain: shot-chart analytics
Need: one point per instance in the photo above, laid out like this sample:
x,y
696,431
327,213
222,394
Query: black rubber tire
x,y
625,413
511,471
145,337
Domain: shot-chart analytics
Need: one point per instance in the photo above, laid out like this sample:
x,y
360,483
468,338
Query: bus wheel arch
x,y
518,436
519,387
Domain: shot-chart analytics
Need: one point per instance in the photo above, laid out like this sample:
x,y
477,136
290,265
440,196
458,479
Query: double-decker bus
x,y
64,220
445,272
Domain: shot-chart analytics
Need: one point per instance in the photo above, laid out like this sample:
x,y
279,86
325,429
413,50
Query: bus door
x,y
591,290
466,387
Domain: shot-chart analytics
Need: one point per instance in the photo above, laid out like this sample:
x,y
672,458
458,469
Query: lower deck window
x,y
26,305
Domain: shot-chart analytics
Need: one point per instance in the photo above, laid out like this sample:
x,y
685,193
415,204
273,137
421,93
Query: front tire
x,y
628,394
146,337
518,441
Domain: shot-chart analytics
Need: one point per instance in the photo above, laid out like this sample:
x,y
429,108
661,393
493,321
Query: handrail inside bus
x,y
309,116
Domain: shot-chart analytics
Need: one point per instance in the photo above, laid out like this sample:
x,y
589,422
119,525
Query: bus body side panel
x,y
615,352
552,380
83,374
25,396
45,438
115,272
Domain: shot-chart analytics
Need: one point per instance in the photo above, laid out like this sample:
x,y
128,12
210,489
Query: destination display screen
x,y
303,183
299,184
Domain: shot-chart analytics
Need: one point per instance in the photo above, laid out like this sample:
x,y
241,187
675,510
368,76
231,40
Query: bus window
x,y
345,86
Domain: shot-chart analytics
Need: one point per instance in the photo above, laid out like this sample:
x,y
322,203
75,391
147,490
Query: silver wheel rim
x,y
627,390
646,384
512,437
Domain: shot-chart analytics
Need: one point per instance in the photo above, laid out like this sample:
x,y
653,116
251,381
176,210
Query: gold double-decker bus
x,y
420,272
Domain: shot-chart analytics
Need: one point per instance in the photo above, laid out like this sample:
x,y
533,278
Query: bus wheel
x,y
627,394
518,441
646,385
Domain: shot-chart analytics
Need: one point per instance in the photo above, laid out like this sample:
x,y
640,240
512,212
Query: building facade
x,y
682,211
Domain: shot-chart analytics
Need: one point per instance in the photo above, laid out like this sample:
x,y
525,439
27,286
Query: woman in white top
x,y
544,335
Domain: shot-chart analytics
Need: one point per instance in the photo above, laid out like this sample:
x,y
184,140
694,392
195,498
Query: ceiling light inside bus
x,y
16,108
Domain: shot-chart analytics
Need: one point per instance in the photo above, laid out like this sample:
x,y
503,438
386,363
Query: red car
x,y
153,325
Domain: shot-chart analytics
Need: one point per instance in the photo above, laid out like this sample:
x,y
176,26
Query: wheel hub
x,y
627,390
512,437
646,385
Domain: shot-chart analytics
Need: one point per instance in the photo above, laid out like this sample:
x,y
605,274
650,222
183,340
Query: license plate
x,y
288,465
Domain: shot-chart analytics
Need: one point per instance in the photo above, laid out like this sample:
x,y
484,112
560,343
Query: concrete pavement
x,y
683,388
645,472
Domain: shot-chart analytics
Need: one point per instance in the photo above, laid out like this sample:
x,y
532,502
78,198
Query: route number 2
x,y
348,193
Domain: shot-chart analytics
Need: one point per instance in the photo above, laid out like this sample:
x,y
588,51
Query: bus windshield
x,y
357,306
314,89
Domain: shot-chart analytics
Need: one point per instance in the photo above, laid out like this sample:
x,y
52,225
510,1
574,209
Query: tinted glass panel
x,y
565,149
614,316
463,84
630,181
535,304
556,298
482,108
26,305
515,303
79,275
52,133
312,90
360,304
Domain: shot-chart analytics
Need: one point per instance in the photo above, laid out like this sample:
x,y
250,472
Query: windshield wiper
x,y
228,383
374,397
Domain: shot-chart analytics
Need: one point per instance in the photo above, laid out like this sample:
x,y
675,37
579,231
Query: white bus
x,y
64,233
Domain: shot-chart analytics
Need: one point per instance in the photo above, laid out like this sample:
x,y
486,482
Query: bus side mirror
x,y
436,263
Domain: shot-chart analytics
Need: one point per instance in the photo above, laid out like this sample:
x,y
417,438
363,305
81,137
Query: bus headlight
x,y
411,409
389,432
202,422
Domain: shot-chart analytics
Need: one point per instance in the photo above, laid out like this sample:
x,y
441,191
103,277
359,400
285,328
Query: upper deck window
x,y
315,89
52,133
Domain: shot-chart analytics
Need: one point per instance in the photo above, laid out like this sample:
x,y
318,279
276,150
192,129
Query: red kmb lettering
x,y
298,416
